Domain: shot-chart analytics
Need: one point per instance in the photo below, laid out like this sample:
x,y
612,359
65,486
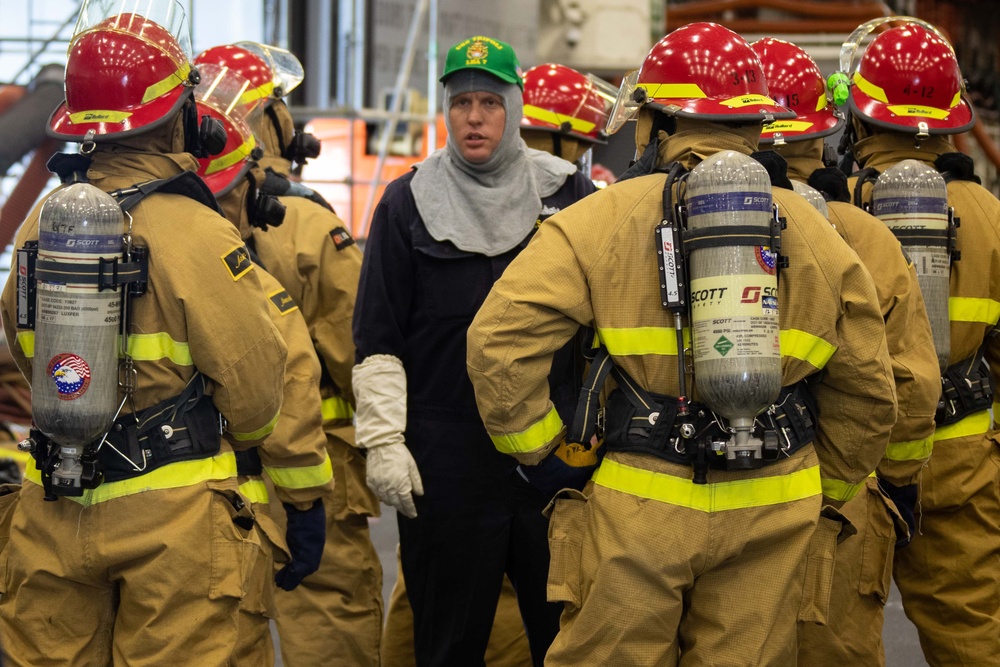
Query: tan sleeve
x,y
908,338
294,455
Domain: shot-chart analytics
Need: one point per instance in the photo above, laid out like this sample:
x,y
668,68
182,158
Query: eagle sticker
x,y
341,238
71,374
238,262
282,300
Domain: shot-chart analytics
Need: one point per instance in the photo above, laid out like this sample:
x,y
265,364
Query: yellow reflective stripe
x,y
642,340
336,407
167,84
20,457
258,93
971,309
99,116
255,491
996,412
912,450
557,119
155,346
806,347
821,102
718,497
302,477
869,88
26,341
838,490
172,476
259,434
919,111
658,91
232,157
955,100
977,423
532,438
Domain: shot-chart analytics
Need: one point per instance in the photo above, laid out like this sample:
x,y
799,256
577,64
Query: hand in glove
x,y
569,465
380,389
306,536
905,499
393,476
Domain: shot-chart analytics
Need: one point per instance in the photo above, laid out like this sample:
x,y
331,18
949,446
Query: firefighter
x,y
439,238
686,548
294,456
335,616
853,631
906,97
147,567
564,114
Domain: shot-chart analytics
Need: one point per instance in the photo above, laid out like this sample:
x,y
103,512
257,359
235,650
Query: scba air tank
x,y
734,291
912,199
813,196
74,382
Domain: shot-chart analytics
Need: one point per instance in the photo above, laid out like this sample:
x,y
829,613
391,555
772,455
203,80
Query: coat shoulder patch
x,y
341,238
238,262
282,300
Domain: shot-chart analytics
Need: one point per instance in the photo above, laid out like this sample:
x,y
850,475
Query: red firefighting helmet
x,y
908,80
225,95
285,67
794,81
706,71
125,73
560,99
249,65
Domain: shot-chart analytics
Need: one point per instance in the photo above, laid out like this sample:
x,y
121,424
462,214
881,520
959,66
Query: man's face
x,y
477,122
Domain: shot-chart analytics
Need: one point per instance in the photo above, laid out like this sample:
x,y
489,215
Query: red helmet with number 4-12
x,y
794,81
125,73
560,99
706,71
908,79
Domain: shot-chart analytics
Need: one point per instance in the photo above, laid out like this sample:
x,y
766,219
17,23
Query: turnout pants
x,y
949,575
148,579
655,570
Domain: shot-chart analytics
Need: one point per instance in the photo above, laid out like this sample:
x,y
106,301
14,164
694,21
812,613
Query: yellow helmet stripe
x,y
869,88
167,84
546,116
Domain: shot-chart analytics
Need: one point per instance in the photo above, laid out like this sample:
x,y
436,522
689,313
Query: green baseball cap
x,y
485,53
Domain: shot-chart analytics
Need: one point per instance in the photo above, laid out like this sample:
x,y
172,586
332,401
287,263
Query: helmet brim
x,y
745,108
533,124
805,126
900,117
147,117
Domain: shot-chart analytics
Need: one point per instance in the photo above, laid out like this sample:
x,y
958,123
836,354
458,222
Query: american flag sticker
x,y
71,375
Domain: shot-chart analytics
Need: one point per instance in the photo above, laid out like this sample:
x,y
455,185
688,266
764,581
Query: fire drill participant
x,y
294,456
565,114
335,616
439,238
146,567
906,97
852,633
718,535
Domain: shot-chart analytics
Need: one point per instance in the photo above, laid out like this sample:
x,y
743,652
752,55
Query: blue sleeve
x,y
385,290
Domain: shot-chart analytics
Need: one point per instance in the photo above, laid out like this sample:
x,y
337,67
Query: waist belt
x,y
966,387
182,428
638,421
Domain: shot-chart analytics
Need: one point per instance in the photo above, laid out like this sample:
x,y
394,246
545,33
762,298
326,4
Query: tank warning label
x,y
931,261
74,309
71,375
735,317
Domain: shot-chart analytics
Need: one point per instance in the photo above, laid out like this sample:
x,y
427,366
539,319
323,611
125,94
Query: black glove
x,y
905,499
306,536
569,465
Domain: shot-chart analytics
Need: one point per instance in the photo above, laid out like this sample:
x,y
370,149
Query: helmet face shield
x,y
560,99
285,67
150,20
624,108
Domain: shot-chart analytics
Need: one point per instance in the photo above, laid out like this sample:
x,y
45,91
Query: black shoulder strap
x,y
866,175
186,183
957,167
776,166
831,183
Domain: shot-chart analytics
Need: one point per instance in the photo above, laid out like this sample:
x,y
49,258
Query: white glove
x,y
380,392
